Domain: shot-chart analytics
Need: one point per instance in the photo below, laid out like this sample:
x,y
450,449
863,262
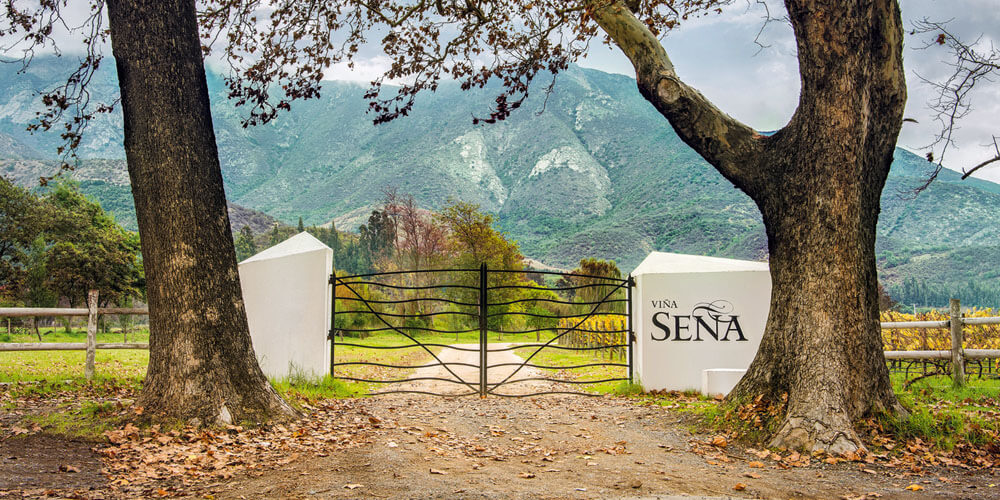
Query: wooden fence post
x,y
88,370
957,353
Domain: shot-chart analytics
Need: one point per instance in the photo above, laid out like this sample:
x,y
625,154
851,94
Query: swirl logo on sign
x,y
715,309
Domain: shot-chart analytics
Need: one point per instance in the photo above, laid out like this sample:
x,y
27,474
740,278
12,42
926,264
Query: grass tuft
x,y
295,389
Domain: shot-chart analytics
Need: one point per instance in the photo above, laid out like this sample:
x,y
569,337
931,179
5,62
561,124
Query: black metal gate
x,y
423,306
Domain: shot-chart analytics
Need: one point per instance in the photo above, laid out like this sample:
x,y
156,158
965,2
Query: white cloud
x,y
364,70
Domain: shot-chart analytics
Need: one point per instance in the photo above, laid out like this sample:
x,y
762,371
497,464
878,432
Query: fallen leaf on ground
x,y
526,475
68,468
755,464
435,471
914,487
353,486
740,487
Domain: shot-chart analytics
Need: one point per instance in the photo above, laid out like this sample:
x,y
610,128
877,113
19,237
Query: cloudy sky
x,y
717,54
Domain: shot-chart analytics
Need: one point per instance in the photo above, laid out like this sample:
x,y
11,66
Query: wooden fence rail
x,y
22,312
958,354
91,346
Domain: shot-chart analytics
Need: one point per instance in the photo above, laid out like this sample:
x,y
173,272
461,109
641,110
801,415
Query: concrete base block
x,y
716,381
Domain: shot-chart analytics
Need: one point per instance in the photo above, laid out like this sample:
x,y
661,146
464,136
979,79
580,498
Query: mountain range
x,y
588,170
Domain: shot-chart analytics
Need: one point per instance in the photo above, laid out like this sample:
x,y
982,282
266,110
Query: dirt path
x,y
563,447
415,446
462,373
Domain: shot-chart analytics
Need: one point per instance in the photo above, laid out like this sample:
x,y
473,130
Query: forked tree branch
x,y
729,145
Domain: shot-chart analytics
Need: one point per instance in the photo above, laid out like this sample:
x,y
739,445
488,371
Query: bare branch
x,y
768,19
971,66
996,147
283,47
68,106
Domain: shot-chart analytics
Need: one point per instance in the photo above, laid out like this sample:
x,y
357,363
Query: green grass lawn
x,y
22,366
939,414
564,358
131,364
945,415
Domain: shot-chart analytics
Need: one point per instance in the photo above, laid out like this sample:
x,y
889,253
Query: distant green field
x,y
57,366
68,365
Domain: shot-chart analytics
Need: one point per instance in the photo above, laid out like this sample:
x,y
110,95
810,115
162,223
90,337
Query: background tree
x,y
420,239
378,237
596,289
19,227
885,301
333,241
275,234
473,239
89,251
76,247
817,181
245,245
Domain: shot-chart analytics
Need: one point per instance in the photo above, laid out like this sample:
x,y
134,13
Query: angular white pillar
x,y
287,295
693,313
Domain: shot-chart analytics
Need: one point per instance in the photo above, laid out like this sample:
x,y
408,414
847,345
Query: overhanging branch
x,y
729,145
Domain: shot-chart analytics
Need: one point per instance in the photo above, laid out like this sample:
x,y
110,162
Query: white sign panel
x,y
287,295
694,313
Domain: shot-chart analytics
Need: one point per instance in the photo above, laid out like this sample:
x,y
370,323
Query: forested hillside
x,y
590,170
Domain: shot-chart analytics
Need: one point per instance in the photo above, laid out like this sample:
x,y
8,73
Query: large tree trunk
x,y
201,364
823,346
817,182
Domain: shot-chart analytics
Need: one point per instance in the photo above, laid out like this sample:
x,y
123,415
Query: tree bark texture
x,y
202,365
817,183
